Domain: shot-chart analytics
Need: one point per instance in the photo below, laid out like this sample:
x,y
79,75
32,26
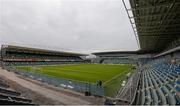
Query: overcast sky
x,y
71,25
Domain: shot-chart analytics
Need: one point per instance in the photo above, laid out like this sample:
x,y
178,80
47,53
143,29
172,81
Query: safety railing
x,y
59,82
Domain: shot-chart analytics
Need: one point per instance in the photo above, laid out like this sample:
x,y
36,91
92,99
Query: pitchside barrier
x,y
58,82
128,92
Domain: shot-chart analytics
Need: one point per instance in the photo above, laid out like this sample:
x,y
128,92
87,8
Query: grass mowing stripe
x,y
112,78
111,75
113,86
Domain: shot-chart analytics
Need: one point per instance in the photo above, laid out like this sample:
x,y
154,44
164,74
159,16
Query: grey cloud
x,y
72,25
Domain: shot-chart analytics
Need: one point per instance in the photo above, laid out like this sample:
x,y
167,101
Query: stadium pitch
x,y
112,76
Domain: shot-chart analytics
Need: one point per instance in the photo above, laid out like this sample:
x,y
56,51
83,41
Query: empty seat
x,y
160,84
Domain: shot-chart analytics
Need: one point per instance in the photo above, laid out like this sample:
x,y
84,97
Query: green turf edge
x,y
111,88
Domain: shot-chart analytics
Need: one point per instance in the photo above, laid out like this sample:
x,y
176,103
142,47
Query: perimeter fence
x,y
78,86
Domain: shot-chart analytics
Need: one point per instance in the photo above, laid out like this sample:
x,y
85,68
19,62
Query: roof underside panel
x,y
38,51
157,22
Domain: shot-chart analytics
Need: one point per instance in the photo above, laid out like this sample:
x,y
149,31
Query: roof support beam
x,y
150,22
154,15
161,33
164,31
151,27
135,33
157,22
166,5
160,37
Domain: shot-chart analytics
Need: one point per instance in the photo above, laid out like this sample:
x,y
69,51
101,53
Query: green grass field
x,y
111,75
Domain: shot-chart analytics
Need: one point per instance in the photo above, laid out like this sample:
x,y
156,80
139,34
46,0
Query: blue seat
x,y
177,88
162,85
178,82
178,69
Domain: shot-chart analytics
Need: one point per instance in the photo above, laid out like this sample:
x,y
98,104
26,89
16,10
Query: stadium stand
x,y
122,57
126,94
117,61
11,97
156,80
159,84
156,27
14,55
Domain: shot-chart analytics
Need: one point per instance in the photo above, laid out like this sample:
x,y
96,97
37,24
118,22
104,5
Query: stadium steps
x,y
9,102
9,92
3,85
12,99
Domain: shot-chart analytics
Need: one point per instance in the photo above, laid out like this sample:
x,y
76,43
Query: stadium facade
x,y
156,81
15,55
